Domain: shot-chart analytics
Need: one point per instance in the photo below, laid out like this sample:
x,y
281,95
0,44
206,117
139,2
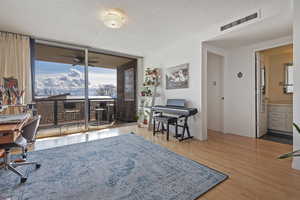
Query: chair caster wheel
x,y
37,166
23,180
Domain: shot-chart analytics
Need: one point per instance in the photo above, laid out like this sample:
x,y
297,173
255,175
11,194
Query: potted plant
x,y
146,117
145,121
294,153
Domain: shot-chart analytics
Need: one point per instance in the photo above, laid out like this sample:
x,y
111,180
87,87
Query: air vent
x,y
240,21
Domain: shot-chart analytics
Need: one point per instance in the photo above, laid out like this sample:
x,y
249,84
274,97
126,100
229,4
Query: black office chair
x,y
27,137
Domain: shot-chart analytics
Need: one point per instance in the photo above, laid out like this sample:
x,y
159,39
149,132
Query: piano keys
x,y
175,110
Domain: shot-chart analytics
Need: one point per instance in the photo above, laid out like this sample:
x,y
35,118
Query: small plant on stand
x,y
148,94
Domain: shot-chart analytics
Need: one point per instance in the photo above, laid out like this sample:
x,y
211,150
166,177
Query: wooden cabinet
x,y
280,117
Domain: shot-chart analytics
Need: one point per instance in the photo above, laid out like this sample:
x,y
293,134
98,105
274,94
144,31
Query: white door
x,y
215,96
261,102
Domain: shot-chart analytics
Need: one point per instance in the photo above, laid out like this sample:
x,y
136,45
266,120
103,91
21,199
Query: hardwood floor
x,y
254,172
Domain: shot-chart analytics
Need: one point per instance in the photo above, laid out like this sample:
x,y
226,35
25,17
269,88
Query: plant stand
x,y
148,96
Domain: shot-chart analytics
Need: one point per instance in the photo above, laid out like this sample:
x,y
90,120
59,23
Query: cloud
x,y
71,82
72,79
75,73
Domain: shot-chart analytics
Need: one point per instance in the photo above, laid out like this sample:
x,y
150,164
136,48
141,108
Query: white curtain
x,y
15,61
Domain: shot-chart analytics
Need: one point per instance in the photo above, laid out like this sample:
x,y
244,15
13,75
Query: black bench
x,y
168,120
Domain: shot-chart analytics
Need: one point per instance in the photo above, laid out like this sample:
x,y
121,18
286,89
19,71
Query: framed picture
x,y
177,77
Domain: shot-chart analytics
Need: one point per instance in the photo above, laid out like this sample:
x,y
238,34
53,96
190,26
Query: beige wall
x,y
274,61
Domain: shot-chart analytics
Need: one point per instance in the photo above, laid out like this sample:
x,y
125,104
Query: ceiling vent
x,y
240,21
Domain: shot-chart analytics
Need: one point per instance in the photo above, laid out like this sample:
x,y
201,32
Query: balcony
x,y
62,116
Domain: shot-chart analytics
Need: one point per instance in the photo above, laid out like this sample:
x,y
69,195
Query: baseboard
x,y
280,132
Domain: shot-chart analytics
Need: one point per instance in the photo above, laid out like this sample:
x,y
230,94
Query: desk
x,y
13,109
10,132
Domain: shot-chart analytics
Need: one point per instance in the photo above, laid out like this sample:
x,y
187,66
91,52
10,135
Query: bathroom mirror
x,y
288,78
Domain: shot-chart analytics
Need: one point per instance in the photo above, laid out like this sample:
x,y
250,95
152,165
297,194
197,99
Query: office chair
x,y
27,136
29,133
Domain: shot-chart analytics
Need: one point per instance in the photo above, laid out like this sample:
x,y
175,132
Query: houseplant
x,y
294,153
148,94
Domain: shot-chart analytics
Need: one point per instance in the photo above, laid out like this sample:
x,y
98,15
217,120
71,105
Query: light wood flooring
x,y
254,172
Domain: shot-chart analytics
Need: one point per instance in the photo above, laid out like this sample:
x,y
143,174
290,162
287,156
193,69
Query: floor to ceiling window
x,y
103,84
59,89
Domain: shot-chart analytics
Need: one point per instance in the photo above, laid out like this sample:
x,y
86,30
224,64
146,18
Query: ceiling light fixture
x,y
114,18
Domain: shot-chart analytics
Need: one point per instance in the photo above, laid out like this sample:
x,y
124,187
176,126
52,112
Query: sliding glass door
x,y
59,89
103,93
126,101
77,90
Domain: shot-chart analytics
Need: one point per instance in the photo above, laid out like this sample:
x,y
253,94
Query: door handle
x,y
222,98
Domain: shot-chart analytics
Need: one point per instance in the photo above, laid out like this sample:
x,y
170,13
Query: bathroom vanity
x,y
280,117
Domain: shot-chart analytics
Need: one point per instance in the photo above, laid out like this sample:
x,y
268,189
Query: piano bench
x,y
164,120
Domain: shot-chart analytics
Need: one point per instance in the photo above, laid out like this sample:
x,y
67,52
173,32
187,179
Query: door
x,y
126,92
261,104
215,95
59,84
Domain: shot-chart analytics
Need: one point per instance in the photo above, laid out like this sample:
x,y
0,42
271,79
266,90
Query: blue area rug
x,y
126,167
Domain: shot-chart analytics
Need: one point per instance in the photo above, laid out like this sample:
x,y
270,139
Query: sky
x,y
58,78
97,75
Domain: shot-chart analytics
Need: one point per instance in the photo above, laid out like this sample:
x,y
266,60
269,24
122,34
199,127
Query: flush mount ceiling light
x,y
114,18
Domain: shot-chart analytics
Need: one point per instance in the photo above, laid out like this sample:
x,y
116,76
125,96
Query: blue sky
x,y
97,75
43,67
58,78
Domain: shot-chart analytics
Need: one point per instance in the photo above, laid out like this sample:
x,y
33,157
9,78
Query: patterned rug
x,y
117,168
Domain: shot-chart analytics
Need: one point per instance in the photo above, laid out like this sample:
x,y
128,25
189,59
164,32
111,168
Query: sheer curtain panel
x,y
15,61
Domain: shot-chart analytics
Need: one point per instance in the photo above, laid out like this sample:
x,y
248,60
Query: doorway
x,y
274,94
215,92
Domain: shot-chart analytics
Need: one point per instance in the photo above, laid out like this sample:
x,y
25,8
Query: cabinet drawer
x,y
280,108
280,117
277,115
277,125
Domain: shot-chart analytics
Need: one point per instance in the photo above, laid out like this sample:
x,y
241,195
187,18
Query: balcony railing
x,y
58,112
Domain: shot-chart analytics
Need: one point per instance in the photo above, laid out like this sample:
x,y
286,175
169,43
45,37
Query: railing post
x,y
55,110
89,110
86,90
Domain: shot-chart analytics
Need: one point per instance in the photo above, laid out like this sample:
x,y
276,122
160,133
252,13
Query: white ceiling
x,y
269,29
152,23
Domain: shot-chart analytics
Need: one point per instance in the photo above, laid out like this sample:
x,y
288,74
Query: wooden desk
x,y
10,132
13,109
